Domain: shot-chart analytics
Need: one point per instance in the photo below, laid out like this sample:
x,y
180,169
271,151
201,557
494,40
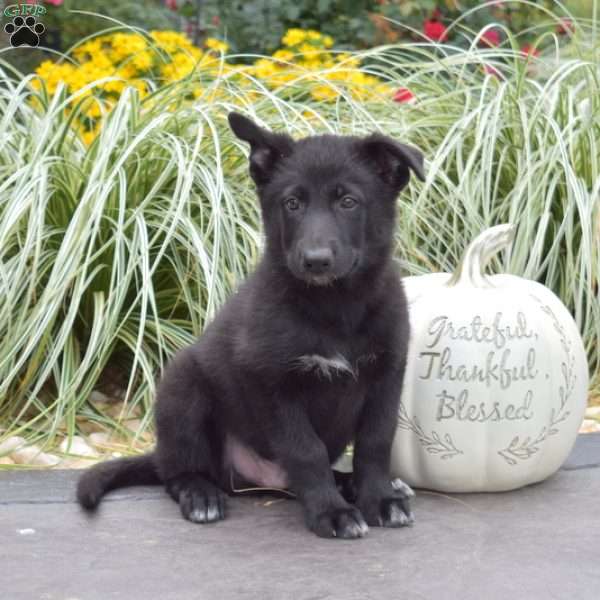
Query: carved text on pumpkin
x,y
497,333
439,366
495,369
451,407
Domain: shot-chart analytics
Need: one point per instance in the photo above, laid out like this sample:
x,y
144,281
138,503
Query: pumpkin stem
x,y
480,251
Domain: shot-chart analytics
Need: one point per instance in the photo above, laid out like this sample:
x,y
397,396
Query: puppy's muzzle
x,y
317,262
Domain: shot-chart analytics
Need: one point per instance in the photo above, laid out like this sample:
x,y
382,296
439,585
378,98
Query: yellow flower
x,y
53,74
383,91
284,55
117,86
127,71
265,68
126,44
348,60
323,92
194,52
311,61
171,41
89,49
361,85
313,35
93,109
141,87
142,61
282,77
293,37
216,45
308,49
88,136
328,41
181,66
102,61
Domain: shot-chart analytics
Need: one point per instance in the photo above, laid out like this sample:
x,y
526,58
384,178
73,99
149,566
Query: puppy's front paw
x,y
344,523
402,489
390,509
200,500
395,513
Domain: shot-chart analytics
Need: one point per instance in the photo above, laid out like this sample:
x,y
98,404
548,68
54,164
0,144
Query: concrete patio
x,y
540,542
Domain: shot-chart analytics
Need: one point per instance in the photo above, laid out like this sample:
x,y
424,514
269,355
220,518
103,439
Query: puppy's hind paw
x,y
200,500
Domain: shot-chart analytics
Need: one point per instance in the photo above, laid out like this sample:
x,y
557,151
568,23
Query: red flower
x,y
171,4
403,95
565,26
216,20
490,70
491,37
529,50
435,31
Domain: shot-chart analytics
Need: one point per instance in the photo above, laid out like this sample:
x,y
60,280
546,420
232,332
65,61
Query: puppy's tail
x,y
122,472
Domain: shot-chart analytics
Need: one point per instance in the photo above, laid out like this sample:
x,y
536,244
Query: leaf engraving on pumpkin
x,y
522,450
433,444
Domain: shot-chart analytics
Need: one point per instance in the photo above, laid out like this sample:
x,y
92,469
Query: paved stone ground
x,y
540,542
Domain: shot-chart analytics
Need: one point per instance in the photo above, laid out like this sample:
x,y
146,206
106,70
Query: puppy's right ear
x,y
266,148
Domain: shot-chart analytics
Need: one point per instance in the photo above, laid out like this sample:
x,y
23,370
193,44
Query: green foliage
x,y
466,18
67,27
258,26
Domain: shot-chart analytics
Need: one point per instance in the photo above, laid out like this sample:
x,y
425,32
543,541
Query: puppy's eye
x,y
348,202
292,203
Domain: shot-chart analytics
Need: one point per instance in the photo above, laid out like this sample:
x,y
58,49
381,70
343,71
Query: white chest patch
x,y
327,367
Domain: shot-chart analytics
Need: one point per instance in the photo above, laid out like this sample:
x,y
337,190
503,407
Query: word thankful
x,y
438,365
476,331
451,407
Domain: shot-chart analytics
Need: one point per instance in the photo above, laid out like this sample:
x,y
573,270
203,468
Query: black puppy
x,y
307,356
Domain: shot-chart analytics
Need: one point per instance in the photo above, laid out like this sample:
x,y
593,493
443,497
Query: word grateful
x,y
498,333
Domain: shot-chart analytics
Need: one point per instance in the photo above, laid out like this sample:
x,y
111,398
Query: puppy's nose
x,y
318,261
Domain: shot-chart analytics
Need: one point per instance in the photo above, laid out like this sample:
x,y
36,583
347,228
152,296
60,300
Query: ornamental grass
x,y
127,215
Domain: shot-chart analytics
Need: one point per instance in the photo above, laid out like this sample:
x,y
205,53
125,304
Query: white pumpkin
x,y
496,381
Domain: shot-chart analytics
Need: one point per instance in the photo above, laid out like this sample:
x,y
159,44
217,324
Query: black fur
x,y
325,287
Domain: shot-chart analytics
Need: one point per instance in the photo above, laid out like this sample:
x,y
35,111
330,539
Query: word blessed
x,y
22,10
451,407
439,366
497,333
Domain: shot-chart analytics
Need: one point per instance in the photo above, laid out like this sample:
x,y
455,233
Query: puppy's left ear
x,y
266,148
392,160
